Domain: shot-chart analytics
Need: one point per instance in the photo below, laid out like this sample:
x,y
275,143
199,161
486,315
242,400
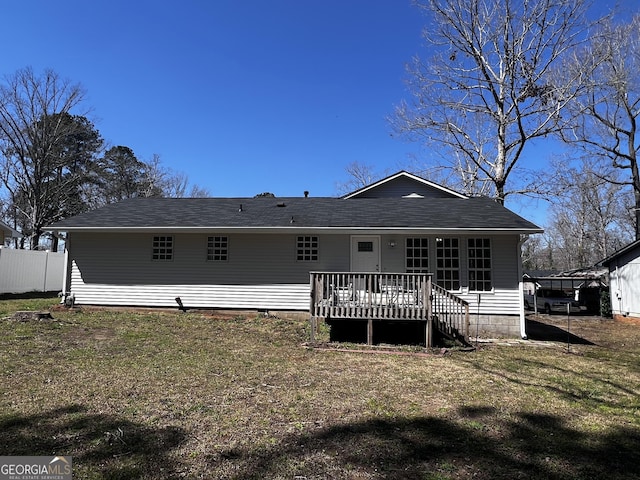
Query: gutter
x,y
301,229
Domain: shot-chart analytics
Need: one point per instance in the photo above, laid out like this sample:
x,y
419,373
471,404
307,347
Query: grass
x,y
154,395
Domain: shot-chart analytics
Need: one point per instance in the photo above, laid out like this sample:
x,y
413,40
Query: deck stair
x,y
450,315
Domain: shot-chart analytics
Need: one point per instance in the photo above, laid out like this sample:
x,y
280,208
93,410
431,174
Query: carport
x,y
587,283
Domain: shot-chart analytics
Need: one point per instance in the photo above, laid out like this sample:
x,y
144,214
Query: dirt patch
x,y
87,335
30,316
627,320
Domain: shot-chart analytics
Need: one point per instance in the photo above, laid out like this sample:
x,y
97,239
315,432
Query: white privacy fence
x,y
23,271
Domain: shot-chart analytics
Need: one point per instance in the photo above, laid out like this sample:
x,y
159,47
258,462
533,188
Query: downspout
x,y
523,325
46,267
65,273
619,293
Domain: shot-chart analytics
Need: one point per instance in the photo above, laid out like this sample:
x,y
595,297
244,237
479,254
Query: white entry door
x,y
365,253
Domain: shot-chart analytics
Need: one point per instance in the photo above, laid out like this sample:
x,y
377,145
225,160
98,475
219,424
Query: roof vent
x,y
281,204
306,194
240,209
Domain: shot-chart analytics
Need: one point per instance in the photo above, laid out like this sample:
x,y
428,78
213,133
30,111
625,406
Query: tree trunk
x,y
635,175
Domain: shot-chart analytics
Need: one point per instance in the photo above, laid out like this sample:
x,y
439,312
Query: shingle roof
x,y
9,231
301,213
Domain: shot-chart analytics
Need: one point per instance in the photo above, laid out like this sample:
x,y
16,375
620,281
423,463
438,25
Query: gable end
x,y
404,184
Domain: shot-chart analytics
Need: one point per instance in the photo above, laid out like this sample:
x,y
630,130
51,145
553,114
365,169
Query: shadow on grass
x,y
550,333
392,332
526,446
28,295
102,446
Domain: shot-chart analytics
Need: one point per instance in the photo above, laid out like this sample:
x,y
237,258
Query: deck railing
x,y
387,296
370,295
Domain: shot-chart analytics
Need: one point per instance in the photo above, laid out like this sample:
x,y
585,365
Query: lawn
x,y
151,395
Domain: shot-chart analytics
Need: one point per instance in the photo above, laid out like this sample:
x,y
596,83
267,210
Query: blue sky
x,y
244,96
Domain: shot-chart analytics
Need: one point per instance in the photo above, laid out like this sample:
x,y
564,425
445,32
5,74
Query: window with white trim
x,y
448,263
217,249
307,248
162,247
417,255
479,257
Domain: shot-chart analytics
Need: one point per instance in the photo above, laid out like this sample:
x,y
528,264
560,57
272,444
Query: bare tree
x,y
606,112
587,219
171,183
34,126
486,93
359,175
538,253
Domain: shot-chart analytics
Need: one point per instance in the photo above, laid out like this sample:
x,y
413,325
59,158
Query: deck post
x,y
370,332
315,287
428,299
428,333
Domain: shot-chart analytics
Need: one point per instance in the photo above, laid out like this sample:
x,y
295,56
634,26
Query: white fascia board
x,y
302,229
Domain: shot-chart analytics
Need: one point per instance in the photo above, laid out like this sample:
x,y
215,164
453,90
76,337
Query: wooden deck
x,y
387,296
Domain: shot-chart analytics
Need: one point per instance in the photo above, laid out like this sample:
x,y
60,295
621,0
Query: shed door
x,y
365,253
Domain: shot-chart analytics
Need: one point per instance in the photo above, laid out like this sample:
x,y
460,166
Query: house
x,y
262,253
7,233
624,280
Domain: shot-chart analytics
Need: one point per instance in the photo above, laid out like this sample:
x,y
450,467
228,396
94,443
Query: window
x,y
217,249
417,255
162,247
479,254
307,249
365,246
448,263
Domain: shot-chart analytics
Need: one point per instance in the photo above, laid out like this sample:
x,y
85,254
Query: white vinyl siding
x,y
625,285
255,297
261,272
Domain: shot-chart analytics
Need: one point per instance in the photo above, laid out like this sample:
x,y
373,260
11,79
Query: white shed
x,y
624,275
